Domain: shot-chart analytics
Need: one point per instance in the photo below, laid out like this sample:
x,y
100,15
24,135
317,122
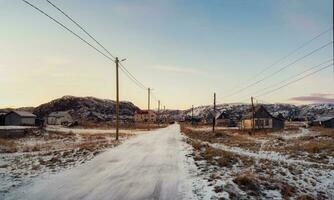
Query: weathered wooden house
x,y
2,119
20,118
324,121
145,116
262,119
59,118
223,120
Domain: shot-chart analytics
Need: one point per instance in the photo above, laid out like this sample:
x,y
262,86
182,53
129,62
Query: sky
x,y
185,50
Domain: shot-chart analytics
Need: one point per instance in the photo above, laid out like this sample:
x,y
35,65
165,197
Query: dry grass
x,y
129,125
248,182
8,145
224,137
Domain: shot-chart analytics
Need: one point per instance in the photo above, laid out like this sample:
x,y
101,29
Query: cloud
x,y
177,69
316,98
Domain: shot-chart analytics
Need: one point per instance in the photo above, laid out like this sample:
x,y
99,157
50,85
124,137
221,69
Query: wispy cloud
x,y
316,98
177,69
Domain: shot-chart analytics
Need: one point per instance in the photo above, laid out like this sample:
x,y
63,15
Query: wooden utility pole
x,y
214,113
192,115
158,112
148,108
253,113
165,118
117,99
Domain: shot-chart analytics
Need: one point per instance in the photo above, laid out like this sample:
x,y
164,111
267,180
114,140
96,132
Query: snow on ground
x,y
88,130
16,127
207,128
148,166
288,135
239,172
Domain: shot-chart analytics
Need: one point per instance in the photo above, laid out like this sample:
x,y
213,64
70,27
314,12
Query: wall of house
x,y
328,123
30,121
145,117
223,122
12,119
278,124
59,120
260,123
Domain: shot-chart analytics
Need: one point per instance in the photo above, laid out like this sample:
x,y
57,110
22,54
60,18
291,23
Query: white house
x,y
59,118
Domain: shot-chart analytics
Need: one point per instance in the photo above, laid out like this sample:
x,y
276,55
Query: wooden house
x,y
223,120
59,118
20,118
262,119
145,116
324,121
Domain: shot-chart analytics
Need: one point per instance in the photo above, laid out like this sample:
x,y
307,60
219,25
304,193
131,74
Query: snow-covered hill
x,y
236,111
86,108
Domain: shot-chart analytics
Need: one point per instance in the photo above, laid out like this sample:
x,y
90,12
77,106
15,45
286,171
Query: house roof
x,y
143,112
259,112
222,115
22,113
59,114
324,118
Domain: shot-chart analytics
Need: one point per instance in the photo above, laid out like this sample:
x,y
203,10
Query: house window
x,y
259,123
267,122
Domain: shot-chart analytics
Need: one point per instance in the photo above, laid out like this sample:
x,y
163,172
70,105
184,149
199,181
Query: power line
x,y
291,82
123,68
289,54
293,76
281,69
85,41
76,23
69,30
132,77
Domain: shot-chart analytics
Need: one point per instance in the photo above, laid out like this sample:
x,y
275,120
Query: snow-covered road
x,y
148,166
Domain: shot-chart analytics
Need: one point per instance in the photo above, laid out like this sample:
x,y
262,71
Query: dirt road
x,y
148,166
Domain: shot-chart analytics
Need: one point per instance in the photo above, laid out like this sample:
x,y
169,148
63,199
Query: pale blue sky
x,y
185,50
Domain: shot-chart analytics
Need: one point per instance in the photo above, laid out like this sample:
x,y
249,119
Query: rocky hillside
x,y
236,111
86,108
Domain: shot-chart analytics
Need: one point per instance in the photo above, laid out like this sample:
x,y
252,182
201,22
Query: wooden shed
x,y
20,118
324,121
262,120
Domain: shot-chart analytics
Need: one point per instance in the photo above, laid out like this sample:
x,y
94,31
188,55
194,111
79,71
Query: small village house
x,y
262,120
2,119
223,120
145,116
324,121
59,118
20,118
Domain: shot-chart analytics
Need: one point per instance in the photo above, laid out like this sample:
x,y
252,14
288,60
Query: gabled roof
x,y
22,113
324,118
259,112
222,115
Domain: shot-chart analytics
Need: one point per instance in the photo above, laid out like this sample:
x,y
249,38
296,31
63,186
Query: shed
x,y
262,119
20,118
324,121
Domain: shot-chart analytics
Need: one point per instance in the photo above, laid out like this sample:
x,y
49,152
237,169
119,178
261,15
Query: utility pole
x,y
148,108
158,112
117,99
165,118
214,113
253,113
192,115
